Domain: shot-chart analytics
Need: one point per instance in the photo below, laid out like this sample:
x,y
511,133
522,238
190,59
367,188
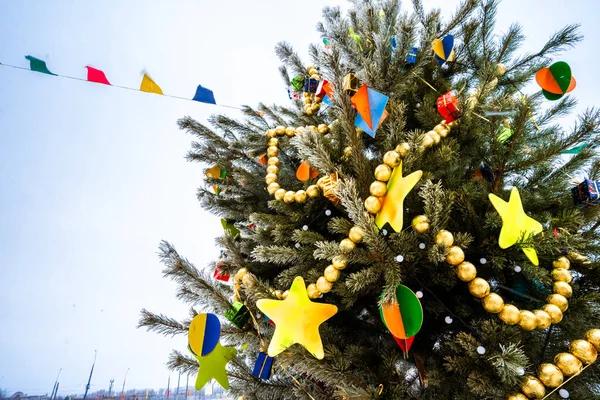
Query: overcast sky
x,y
93,177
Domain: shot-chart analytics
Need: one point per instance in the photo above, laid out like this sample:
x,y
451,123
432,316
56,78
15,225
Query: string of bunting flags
x,y
148,85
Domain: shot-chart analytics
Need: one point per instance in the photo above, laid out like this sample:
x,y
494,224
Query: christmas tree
x,y
412,226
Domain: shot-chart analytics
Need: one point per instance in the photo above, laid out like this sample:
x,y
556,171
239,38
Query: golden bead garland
x,y
552,375
312,103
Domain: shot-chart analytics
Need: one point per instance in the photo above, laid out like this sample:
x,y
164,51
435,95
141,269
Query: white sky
x,y
93,177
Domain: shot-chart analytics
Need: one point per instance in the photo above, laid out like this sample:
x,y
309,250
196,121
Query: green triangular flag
x,y
574,150
35,64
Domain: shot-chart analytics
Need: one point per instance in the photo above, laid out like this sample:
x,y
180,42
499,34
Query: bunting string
x,y
203,95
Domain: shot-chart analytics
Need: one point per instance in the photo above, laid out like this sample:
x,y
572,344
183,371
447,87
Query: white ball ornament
x,y
480,350
422,246
328,212
448,320
399,258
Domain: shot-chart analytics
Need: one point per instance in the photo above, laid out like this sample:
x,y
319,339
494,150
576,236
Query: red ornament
x,y
449,107
220,275
555,232
324,88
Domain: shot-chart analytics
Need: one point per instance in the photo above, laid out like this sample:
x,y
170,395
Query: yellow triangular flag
x,y
148,85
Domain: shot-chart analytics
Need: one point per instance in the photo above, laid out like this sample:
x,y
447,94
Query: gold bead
x,y
279,193
383,172
323,129
558,300
561,274
533,388
272,169
554,312
290,131
420,223
311,128
528,321
434,135
323,285
479,288
312,291
391,159
373,204
562,288
356,234
444,237
466,271
500,69
285,294
455,255
308,109
288,197
273,187
378,189
517,396
347,245
402,149
593,336
544,319
562,262
273,142
442,130
339,262
567,363
300,196
510,314
321,181
550,375
240,274
312,191
315,107
270,133
307,101
493,303
331,273
348,151
273,161
272,151
427,141
583,350
280,130
270,178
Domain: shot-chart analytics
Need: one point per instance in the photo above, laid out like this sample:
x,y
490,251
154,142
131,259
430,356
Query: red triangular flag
x,y
95,75
404,344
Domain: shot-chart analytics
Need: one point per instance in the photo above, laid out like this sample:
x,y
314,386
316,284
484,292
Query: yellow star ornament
x,y
297,320
212,366
515,223
392,204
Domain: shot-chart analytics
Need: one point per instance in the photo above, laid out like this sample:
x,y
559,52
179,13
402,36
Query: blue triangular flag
x,y
204,95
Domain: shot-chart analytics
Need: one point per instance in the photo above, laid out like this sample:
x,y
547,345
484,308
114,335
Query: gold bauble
x,y
554,312
378,189
562,288
356,234
270,178
383,172
550,375
493,303
315,107
510,314
427,141
312,191
323,285
466,271
558,300
420,223
323,128
533,388
347,245
270,133
279,193
517,396
339,262
321,181
373,204
308,109
300,196
290,131
285,294
348,151
272,151
583,350
444,237
280,130
279,294
567,363
528,321
312,291
434,135
479,288
442,130
272,169
561,274
562,262
240,274
331,273
593,336
273,161
273,187
455,255
307,101
288,197
402,149
273,142
391,159
544,319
